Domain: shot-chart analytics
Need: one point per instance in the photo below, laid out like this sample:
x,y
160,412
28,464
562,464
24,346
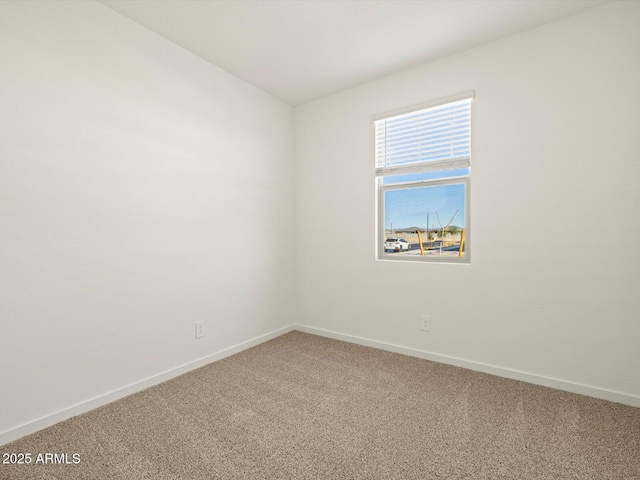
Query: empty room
x,y
319,239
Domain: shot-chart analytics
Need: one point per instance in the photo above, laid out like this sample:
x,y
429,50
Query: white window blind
x,y
434,138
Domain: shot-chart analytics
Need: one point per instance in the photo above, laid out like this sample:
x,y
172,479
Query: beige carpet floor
x,y
307,407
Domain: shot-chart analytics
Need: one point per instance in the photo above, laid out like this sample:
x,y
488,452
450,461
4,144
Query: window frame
x,y
443,165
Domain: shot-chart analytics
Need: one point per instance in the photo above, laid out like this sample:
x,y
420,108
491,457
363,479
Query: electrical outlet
x,y
200,329
425,323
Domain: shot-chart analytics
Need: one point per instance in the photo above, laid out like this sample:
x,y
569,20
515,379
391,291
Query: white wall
x,y
141,189
553,286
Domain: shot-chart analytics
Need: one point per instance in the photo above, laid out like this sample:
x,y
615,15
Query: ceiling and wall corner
x,y
300,51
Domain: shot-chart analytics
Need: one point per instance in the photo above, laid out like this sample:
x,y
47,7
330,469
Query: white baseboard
x,y
590,391
33,426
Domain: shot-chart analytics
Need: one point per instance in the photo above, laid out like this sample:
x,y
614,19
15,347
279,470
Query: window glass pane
x,y
413,177
433,215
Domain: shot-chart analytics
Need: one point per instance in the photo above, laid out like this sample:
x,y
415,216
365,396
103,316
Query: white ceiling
x,y
302,50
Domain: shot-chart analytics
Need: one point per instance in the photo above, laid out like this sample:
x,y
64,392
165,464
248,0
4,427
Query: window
x,y
423,164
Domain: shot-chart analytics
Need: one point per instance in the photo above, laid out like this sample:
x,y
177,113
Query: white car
x,y
396,244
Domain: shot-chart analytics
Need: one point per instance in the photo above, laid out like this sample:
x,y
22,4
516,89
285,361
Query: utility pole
x,y
428,228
